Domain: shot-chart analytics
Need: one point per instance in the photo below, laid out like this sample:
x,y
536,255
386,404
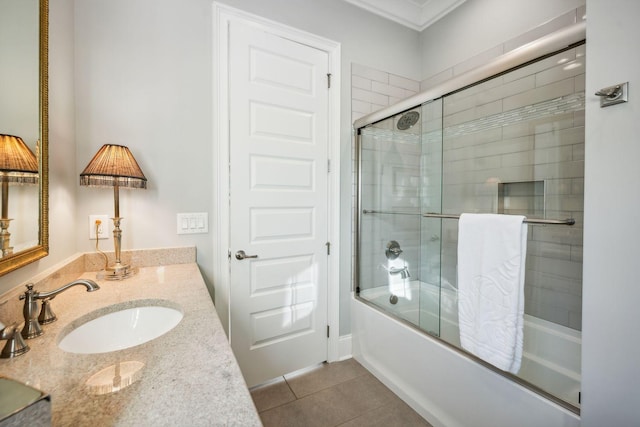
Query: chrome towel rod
x,y
568,221
365,211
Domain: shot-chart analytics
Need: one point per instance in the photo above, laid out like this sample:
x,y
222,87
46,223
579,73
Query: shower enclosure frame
x,y
564,39
538,49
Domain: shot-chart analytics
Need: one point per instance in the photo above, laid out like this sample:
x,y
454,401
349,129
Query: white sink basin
x,y
121,329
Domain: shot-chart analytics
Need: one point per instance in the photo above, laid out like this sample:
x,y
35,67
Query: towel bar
x,y
568,221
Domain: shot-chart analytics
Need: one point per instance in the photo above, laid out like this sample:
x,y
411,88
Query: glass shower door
x,y
389,218
431,228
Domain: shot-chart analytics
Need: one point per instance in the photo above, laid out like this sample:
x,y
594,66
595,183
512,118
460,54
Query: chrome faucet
x,y
32,321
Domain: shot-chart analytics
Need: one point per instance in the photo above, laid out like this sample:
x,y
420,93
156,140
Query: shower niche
x,y
521,198
510,144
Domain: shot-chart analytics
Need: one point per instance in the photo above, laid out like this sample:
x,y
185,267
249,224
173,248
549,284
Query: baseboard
x,y
344,347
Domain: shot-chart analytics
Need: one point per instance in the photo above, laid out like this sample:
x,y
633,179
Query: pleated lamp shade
x,y
113,165
18,164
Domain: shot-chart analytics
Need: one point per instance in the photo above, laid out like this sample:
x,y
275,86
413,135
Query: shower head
x,y
407,120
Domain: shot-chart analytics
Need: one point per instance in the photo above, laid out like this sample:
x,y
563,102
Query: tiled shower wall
x,y
523,127
393,186
372,90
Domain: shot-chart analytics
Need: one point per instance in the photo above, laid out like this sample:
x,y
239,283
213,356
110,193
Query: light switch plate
x,y
103,228
192,223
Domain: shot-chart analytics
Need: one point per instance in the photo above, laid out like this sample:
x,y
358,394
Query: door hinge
x,y
328,165
327,331
328,244
328,80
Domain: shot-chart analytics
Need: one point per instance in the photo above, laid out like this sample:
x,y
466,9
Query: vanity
x,y
186,376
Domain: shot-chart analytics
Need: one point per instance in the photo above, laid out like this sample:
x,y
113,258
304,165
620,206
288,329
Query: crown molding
x,y
414,14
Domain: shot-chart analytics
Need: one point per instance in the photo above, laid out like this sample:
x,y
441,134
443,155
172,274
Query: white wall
x,y
610,345
62,178
143,79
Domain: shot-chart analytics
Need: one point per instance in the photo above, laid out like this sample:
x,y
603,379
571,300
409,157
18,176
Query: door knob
x,y
242,255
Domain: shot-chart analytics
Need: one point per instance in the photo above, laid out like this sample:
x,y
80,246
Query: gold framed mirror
x,y
24,49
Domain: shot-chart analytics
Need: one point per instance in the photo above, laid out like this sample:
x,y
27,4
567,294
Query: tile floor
x,y
332,394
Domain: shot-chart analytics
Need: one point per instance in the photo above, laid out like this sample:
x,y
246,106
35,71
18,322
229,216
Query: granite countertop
x,y
187,376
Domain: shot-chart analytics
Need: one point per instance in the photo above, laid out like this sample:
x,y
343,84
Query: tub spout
x,y
403,272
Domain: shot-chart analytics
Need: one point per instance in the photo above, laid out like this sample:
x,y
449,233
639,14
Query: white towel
x,y
491,267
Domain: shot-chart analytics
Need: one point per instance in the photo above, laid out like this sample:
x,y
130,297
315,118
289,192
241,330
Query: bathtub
x,y
551,357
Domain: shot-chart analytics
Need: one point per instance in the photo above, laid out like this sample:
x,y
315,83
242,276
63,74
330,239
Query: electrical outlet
x,y
103,227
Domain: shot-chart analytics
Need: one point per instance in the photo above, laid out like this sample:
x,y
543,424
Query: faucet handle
x,y
28,292
31,328
15,345
393,250
46,312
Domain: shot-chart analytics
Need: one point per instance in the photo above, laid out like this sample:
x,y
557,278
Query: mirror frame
x,y
27,256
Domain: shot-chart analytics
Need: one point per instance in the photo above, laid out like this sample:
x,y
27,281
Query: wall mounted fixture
x,y
393,250
114,166
612,95
18,165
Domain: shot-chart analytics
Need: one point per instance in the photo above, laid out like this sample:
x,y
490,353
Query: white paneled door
x,y
278,104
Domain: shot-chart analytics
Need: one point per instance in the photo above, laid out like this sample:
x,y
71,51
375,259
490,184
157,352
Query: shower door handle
x,y
242,255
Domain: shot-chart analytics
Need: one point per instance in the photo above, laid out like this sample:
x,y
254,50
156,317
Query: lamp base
x,y
5,247
117,271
